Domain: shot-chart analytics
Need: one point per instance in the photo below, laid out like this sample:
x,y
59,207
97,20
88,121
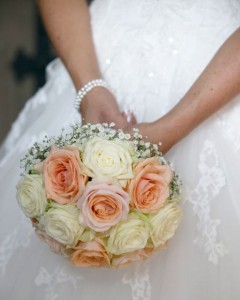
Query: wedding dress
x,y
150,53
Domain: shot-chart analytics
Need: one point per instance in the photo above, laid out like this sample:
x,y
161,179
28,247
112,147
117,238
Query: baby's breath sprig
x,y
175,187
79,135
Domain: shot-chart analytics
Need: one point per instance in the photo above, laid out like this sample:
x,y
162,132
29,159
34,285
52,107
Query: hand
x,y
155,132
100,106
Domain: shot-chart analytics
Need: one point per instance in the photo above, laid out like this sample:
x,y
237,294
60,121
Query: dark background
x,y
25,50
24,53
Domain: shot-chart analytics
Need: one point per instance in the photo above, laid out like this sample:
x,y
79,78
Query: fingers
x,y
133,119
121,122
130,117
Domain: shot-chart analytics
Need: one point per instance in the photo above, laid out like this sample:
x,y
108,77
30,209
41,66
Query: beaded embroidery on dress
x,y
150,53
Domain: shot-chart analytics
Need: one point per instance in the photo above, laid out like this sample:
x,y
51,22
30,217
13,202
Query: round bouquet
x,y
98,196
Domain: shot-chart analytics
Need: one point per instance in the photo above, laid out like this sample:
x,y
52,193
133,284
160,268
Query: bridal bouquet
x,y
100,197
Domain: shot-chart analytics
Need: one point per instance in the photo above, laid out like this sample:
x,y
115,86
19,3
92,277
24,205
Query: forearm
x,y
68,25
215,87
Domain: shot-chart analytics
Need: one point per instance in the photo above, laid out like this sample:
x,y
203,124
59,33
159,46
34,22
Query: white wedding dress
x,y
150,53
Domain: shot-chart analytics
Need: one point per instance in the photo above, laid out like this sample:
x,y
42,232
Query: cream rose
x,y
61,223
104,158
91,254
129,235
103,204
164,224
63,175
149,189
31,195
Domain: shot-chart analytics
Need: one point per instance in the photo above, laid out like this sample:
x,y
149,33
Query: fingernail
x,y
128,115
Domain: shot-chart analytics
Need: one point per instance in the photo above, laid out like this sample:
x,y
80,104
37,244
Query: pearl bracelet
x,y
87,88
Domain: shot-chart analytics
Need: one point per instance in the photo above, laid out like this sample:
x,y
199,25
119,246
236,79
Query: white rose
x,y
164,223
31,195
104,158
61,223
129,235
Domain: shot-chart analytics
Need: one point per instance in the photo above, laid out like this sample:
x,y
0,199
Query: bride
x,y
173,68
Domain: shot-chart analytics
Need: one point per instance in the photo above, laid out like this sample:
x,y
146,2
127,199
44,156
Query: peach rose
x,y
149,189
103,204
63,176
91,254
54,245
128,258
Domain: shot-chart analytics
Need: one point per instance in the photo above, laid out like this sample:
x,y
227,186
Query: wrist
x,y
89,88
81,79
99,98
166,132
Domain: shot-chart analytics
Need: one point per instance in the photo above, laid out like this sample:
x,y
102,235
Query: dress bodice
x,y
157,43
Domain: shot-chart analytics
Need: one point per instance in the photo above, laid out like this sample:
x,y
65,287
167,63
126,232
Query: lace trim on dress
x,y
139,281
17,238
210,183
51,281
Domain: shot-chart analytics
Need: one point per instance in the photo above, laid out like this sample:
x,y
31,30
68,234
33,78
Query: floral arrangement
x,y
100,197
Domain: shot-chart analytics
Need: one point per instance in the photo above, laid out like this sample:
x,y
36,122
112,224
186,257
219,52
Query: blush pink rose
x,y
63,175
149,189
91,254
54,245
128,258
103,204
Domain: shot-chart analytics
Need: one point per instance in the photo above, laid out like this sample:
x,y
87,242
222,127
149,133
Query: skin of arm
x,y
217,85
68,26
